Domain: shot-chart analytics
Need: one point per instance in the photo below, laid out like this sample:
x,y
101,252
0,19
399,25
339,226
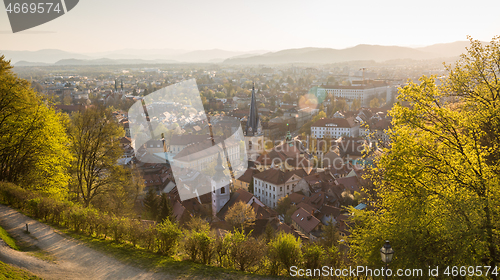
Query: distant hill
x,y
359,52
449,49
28,63
44,56
214,55
107,61
303,55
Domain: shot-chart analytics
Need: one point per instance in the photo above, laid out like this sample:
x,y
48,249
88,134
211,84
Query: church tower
x,y
220,187
254,139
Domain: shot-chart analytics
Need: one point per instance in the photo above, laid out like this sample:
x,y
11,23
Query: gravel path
x,y
73,260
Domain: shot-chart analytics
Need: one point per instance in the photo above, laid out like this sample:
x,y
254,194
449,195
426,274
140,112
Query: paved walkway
x,y
73,259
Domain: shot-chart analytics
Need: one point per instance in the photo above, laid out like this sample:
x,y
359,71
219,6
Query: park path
x,y
73,260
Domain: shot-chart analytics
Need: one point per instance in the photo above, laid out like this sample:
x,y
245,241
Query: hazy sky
x,y
103,25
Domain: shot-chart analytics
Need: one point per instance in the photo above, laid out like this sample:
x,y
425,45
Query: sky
x,y
244,25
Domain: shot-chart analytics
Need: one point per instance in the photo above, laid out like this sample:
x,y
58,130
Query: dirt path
x,y
73,259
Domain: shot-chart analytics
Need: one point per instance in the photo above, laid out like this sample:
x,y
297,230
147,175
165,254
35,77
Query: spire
x,y
116,85
122,84
219,170
253,116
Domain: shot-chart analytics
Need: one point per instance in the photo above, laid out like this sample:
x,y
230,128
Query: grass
x,y
11,272
25,247
142,258
8,239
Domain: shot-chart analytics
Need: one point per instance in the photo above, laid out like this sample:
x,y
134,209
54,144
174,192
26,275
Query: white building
x,y
273,184
362,92
335,128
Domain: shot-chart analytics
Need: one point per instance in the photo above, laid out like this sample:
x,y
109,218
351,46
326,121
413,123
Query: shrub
x,y
283,252
168,235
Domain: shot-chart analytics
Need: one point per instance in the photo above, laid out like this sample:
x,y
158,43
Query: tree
x,y
121,200
313,255
438,183
284,252
151,202
244,251
250,187
330,236
33,151
375,103
356,104
94,135
240,215
283,205
165,210
198,242
287,98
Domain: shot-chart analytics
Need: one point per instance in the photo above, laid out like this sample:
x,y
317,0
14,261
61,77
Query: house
x,y
329,214
239,195
272,184
350,183
243,182
306,223
334,128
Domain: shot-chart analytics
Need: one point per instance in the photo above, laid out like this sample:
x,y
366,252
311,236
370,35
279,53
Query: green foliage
x,y
283,252
198,242
165,208
313,255
33,151
151,204
243,251
283,205
169,236
374,103
94,136
240,215
14,273
5,236
438,183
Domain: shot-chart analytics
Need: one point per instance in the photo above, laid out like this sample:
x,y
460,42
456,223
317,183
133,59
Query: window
x,y
274,189
288,187
223,190
281,189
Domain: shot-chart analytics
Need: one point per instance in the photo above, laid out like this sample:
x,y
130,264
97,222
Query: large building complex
x,y
364,91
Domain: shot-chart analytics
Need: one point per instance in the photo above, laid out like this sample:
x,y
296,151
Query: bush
x,y
244,251
283,252
118,227
168,235
199,246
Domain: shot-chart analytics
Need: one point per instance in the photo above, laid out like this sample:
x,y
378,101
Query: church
x,y
254,138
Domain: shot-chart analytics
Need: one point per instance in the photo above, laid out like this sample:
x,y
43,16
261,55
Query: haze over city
x,y
97,26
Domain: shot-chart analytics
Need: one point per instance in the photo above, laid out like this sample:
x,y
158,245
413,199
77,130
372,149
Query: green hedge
x,y
162,238
235,250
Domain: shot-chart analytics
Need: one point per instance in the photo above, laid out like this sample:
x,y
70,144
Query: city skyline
x,y
94,26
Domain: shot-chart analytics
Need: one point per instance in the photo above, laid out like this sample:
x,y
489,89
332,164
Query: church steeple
x,y
122,85
219,170
253,116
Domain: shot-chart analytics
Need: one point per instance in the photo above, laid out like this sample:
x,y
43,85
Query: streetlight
x,y
386,252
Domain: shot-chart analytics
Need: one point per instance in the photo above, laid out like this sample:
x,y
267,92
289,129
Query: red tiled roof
x,y
305,220
278,177
248,175
351,183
